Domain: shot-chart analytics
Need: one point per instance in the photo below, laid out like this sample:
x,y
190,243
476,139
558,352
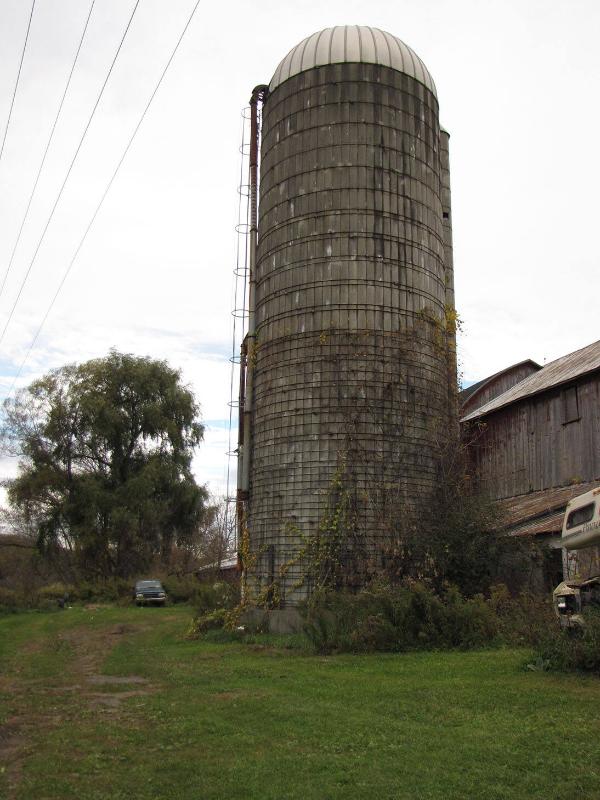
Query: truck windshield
x,y
580,516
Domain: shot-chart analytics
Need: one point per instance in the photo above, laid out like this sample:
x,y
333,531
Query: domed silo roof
x,y
352,43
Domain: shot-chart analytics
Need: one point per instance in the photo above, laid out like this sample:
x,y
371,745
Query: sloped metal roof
x,y
228,562
540,512
352,43
474,388
563,370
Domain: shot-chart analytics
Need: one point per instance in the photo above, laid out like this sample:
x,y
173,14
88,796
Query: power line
x,y
64,183
102,199
43,161
12,102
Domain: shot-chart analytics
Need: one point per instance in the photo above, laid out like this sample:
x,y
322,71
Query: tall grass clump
x,y
398,618
574,649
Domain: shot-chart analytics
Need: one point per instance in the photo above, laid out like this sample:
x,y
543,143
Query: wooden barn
x,y
533,435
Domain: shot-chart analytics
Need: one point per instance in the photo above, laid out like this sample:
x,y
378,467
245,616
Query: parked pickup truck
x,y
149,592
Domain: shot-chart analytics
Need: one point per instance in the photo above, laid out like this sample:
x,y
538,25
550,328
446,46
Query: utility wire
x,y
12,102
102,199
43,161
64,183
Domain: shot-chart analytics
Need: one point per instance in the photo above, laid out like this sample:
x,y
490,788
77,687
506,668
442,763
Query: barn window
x,y
570,405
580,516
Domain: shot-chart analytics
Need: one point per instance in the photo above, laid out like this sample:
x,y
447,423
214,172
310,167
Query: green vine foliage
x,y
458,540
372,526
335,557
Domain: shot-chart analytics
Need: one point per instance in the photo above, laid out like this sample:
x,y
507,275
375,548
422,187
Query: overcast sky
x,y
517,85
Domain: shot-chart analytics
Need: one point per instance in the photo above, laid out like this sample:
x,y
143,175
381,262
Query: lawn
x,y
116,703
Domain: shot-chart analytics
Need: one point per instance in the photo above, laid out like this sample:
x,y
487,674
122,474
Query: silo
x,y
351,363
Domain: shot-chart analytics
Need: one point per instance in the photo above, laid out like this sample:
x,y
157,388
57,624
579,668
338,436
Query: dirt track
x,y
35,706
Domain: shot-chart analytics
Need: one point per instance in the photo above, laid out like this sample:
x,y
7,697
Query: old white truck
x,y
580,541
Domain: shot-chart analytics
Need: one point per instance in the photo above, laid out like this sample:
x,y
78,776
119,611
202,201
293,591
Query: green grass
x,y
231,720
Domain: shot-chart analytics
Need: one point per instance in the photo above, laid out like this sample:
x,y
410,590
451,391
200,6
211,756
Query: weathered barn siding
x,y
541,441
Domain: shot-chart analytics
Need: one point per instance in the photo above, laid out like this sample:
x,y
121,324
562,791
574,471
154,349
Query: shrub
x,y
109,591
467,623
55,592
212,620
410,617
211,596
570,650
524,619
181,590
214,606
11,601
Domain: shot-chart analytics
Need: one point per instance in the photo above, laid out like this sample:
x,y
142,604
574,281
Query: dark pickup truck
x,y
149,593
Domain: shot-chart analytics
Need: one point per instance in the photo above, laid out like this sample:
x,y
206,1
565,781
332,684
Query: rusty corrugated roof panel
x,y
550,524
540,512
563,370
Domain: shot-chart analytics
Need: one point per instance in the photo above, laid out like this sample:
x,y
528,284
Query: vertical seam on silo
x,y
345,43
294,57
286,63
398,44
428,79
305,43
275,80
375,48
331,44
423,71
290,58
311,48
387,42
360,55
317,47
414,66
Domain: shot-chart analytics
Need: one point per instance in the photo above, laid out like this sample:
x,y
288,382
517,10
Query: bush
x,y
55,592
109,591
571,650
11,601
214,604
411,617
211,596
210,621
181,590
524,619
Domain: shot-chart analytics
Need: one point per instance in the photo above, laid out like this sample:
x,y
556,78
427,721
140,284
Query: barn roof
x,y
563,370
540,512
471,391
227,562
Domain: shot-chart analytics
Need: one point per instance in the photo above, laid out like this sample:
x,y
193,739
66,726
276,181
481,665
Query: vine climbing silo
x,y
349,381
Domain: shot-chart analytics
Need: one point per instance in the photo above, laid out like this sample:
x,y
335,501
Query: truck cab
x,y
580,541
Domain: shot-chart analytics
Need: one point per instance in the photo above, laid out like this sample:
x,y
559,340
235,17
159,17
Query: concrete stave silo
x,y
352,364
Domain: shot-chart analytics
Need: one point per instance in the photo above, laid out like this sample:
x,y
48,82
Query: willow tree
x,y
105,453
